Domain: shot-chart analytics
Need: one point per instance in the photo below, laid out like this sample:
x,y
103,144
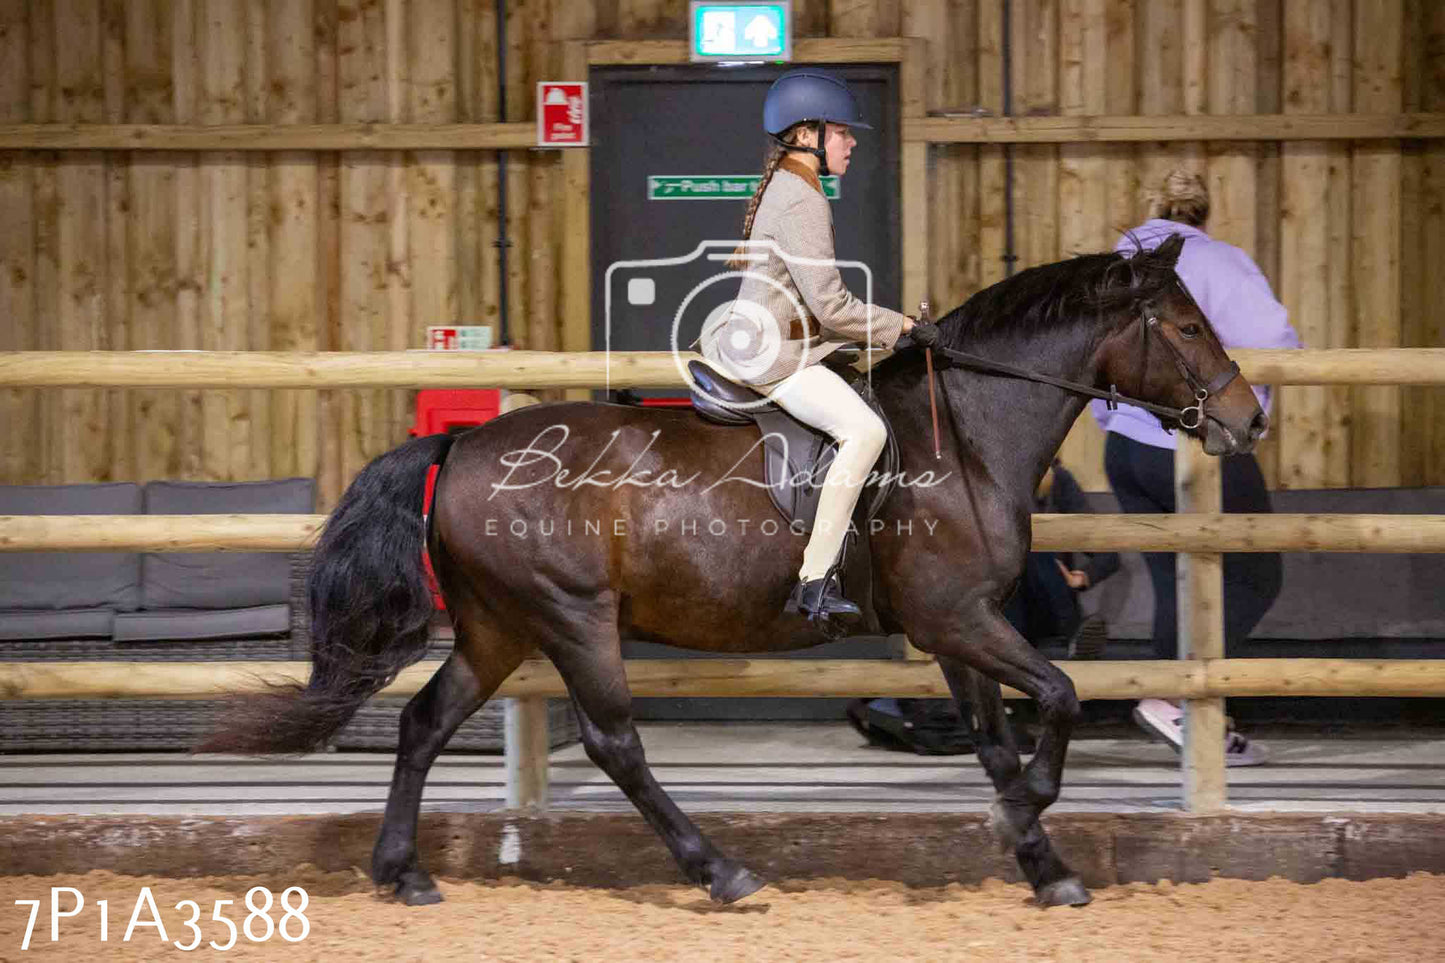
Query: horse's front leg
x,y
1049,876
980,638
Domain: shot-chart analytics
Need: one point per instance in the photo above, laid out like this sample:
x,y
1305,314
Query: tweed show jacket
x,y
792,307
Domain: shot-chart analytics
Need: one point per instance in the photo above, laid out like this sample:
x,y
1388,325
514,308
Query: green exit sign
x,y
741,31
718,187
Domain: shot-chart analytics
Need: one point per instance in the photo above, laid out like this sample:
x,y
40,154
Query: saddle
x,y
796,462
797,456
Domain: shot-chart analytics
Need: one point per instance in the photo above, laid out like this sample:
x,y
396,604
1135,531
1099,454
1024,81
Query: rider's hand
x,y
924,334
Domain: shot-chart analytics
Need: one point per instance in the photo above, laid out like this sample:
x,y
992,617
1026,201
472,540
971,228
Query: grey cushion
x,y
1335,595
56,623
70,580
1326,595
182,624
221,580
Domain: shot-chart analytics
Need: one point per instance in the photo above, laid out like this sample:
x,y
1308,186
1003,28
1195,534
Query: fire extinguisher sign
x,y
561,113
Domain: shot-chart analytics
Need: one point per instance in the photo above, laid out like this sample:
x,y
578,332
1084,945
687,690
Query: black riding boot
x,y
822,598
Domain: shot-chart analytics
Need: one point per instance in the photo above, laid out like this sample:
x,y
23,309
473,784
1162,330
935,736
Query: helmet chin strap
x,y
819,152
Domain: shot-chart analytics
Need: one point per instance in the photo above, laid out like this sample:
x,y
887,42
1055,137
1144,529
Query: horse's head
x,y
1167,353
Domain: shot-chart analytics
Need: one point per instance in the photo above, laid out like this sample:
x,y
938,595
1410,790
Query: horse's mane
x,y
1054,297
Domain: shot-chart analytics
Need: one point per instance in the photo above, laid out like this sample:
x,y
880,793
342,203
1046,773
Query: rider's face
x,y
838,144
839,147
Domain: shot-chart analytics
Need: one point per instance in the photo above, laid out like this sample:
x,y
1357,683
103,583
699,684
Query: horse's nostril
x,y
1259,425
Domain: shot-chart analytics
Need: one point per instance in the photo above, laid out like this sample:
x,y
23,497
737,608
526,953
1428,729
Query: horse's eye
x,y
1191,331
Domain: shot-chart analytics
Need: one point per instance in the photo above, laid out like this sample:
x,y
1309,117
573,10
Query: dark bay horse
x,y
569,526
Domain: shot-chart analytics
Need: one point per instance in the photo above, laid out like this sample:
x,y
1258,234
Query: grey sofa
x,y
1327,596
67,595
157,607
149,597
132,606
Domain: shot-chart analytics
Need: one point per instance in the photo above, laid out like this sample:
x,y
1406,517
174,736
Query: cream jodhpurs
x,y
818,397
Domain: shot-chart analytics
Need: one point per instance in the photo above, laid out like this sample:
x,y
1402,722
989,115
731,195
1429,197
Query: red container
x,y
444,411
441,410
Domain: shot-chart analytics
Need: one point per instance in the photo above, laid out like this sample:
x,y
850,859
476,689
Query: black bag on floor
x,y
928,727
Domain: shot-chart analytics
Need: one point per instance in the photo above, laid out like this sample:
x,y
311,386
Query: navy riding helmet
x,y
810,94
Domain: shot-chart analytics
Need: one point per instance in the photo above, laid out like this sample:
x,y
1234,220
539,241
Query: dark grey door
x,y
701,123
665,143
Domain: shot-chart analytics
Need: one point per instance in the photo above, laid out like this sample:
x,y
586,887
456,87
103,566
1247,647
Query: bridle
x,y
1202,391
1188,418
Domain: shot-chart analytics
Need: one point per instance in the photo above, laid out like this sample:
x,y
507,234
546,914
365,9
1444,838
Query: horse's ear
x,y
1168,252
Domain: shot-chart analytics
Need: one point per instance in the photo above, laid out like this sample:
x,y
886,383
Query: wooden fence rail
x,y
1087,533
556,369
760,678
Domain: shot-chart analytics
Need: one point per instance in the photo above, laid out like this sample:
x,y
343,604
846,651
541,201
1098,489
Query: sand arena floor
x,y
825,919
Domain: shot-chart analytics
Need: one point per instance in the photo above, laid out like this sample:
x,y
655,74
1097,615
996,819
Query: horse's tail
x,y
370,604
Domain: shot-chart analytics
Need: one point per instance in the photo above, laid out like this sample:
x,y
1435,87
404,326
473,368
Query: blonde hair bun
x,y
1183,197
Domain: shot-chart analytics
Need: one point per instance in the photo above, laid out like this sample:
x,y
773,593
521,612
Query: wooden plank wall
x,y
361,250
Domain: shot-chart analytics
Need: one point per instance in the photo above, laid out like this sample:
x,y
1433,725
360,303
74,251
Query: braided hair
x,y
776,153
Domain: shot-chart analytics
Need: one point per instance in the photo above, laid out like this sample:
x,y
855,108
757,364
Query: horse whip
x,y
932,399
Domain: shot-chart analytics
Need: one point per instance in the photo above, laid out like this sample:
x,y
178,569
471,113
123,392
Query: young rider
x,y
766,341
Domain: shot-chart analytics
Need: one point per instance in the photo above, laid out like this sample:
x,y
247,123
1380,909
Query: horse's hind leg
x,y
998,755
980,637
595,676
481,661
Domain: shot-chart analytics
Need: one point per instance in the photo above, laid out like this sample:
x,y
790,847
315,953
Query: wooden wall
x,y
362,250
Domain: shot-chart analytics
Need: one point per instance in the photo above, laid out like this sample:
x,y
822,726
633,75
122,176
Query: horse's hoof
x,y
731,882
1063,892
421,891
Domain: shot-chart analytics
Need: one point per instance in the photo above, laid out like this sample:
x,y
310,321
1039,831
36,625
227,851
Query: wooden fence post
x,y
526,739
527,742
1200,586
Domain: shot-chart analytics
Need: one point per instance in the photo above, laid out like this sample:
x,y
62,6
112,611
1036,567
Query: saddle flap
x,y
796,460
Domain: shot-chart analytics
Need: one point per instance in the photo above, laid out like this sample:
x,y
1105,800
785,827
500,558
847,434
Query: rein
x,y
1202,391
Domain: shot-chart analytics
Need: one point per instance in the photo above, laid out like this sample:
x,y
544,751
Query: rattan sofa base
x,y
147,725
375,727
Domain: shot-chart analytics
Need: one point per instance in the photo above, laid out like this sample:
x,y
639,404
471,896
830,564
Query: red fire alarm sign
x,y
561,114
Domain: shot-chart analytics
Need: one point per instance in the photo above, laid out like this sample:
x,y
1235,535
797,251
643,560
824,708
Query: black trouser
x,y
1044,606
1142,477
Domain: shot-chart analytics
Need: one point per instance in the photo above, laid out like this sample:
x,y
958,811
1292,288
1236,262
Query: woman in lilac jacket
x,y
1139,454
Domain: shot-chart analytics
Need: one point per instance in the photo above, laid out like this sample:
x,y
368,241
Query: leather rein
x,y
1188,418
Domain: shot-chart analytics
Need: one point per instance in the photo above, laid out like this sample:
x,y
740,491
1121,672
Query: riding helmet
x,y
810,93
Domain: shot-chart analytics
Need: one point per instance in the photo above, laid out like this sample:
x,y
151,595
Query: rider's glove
x,y
925,334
